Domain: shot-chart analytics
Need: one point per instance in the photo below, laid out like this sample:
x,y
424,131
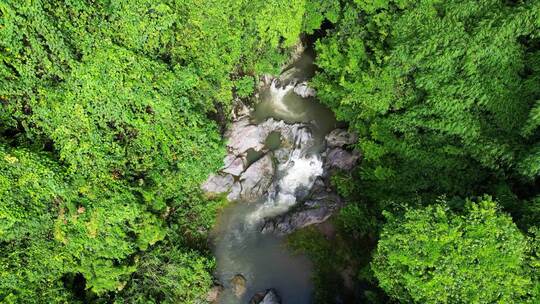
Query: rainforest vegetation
x,y
112,113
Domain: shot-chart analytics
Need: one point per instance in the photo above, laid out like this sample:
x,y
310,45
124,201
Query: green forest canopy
x,y
110,119
445,96
105,137
432,255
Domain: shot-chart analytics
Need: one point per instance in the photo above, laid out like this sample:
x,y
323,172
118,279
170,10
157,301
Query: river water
x,y
239,246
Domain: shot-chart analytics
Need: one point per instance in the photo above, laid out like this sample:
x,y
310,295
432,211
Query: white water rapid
x,y
298,172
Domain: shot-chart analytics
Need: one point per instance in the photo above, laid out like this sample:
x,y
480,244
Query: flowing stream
x,y
239,245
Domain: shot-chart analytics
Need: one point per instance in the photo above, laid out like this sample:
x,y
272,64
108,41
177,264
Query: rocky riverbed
x,y
276,175
242,180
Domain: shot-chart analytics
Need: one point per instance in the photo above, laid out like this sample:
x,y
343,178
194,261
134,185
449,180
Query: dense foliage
x,y
443,94
110,117
445,98
432,255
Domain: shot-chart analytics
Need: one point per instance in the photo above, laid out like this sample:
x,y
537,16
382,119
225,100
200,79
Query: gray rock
x,y
291,222
244,136
227,161
236,167
257,298
340,138
271,297
217,184
257,178
287,132
296,220
303,90
341,159
234,195
321,205
268,297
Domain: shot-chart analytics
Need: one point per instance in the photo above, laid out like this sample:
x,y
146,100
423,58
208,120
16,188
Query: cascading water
x,y
240,246
277,94
299,171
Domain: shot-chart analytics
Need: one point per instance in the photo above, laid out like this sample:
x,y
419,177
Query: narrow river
x,y
239,245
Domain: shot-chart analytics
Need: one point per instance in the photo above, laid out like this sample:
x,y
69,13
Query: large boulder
x,y
286,131
296,220
322,203
217,184
235,167
340,138
257,178
244,136
227,161
341,159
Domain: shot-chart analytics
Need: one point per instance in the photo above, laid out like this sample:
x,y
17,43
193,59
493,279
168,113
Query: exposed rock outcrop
x,y
244,136
257,178
247,183
341,159
236,166
296,220
340,138
217,184
319,206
